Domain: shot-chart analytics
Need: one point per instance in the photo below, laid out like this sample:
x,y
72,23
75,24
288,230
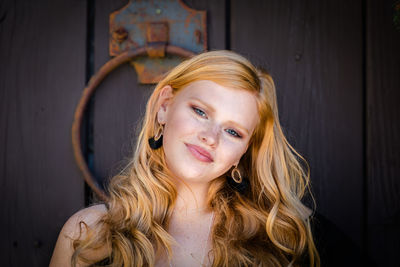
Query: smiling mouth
x,y
199,153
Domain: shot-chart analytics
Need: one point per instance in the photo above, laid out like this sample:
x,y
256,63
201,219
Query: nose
x,y
209,136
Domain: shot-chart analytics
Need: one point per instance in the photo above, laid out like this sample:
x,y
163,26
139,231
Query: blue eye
x,y
199,112
233,133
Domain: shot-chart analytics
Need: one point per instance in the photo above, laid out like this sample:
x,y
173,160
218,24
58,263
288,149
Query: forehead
x,y
234,104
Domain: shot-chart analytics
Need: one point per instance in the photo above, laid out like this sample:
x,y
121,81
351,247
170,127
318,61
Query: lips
x,y
200,153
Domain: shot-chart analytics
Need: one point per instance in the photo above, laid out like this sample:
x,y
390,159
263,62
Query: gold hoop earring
x,y
236,176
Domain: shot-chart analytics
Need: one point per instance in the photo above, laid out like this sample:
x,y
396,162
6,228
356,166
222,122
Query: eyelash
x,y
235,134
204,115
199,112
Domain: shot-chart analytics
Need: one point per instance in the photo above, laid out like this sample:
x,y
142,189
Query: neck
x,y
192,198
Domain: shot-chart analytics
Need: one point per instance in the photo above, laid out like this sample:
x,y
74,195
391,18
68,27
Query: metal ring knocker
x,y
88,92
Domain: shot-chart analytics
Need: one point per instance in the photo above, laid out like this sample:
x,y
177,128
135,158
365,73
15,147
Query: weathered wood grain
x,y
42,74
383,125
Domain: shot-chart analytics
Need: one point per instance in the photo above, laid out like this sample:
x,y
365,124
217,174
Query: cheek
x,y
180,123
231,152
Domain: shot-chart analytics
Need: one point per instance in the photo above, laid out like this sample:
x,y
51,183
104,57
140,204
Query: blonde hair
x,y
267,226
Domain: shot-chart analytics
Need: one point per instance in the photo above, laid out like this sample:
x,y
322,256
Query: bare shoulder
x,y
74,229
90,216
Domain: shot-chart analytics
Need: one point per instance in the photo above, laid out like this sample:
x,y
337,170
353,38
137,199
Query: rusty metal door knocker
x,y
147,34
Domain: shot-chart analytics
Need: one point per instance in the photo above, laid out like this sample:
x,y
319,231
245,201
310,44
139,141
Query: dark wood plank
x,y
120,101
216,21
313,51
42,55
383,76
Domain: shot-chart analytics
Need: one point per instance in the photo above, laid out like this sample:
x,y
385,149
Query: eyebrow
x,y
239,126
204,103
213,110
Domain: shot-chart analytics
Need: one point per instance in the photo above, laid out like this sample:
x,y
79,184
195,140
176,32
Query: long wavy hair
x,y
266,226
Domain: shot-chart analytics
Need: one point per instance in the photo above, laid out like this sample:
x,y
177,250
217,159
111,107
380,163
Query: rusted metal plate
x,y
150,70
154,24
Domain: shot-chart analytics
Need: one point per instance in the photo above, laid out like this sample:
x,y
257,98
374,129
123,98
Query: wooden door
x,y
336,66
42,73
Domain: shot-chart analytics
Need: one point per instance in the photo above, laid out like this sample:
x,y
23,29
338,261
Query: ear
x,y
164,100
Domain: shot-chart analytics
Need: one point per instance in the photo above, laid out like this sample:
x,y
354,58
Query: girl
x,y
213,181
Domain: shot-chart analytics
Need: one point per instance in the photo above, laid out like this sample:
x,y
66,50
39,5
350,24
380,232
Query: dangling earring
x,y
156,141
236,176
237,182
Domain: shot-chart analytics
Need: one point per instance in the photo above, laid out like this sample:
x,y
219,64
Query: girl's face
x,y
207,129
